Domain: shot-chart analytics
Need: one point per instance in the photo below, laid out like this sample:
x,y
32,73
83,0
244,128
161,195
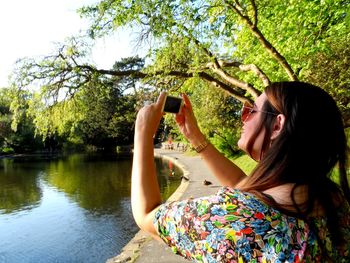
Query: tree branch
x,y
255,13
203,75
236,82
264,42
249,67
133,73
257,71
206,51
219,84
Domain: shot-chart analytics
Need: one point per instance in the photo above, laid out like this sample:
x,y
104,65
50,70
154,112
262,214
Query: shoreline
x,y
142,247
130,252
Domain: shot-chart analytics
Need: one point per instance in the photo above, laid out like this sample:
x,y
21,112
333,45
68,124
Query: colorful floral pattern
x,y
235,226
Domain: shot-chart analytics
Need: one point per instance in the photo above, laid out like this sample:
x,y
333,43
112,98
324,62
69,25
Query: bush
x,y
226,141
6,150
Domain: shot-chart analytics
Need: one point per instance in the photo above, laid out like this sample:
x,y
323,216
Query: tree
x,y
239,46
5,120
97,114
16,127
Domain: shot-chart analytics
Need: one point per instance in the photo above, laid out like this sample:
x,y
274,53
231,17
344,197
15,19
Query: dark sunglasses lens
x,y
246,109
244,114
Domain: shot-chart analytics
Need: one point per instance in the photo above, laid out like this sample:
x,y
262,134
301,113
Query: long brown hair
x,y
311,143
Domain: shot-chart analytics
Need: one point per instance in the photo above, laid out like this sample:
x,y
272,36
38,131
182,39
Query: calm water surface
x,y
69,209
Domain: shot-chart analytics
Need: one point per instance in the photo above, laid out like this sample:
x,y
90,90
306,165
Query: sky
x,y
29,28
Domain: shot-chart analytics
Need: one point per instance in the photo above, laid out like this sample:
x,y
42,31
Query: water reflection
x,y
167,173
94,183
69,209
19,186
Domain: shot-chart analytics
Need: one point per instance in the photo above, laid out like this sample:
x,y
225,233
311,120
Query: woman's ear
x,y
278,126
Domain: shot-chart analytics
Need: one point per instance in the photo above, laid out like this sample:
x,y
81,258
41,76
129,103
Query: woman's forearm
x,y
145,194
222,168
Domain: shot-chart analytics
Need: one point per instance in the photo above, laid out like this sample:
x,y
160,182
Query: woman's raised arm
x,y
226,171
145,193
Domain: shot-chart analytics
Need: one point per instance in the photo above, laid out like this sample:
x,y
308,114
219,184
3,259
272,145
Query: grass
x,y
246,163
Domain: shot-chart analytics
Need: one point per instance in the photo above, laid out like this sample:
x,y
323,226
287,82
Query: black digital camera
x,y
172,104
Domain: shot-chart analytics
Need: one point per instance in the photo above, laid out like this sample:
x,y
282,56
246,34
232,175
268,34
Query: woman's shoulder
x,y
228,204
244,198
251,204
236,193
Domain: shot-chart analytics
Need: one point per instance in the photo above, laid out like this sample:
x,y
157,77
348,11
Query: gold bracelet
x,y
201,146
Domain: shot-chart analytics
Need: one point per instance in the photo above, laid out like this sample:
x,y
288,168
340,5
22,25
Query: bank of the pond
x,y
142,248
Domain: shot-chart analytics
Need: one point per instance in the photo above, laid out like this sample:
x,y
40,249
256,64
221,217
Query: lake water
x,y
69,209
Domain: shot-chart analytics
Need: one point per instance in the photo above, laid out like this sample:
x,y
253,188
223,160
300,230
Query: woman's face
x,y
250,125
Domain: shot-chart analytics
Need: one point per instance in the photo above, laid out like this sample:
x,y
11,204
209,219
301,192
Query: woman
x,y
287,210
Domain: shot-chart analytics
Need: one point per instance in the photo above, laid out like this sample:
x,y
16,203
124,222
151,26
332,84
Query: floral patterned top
x,y
235,226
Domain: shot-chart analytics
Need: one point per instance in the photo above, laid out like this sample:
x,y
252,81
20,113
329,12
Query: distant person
x,y
170,143
287,210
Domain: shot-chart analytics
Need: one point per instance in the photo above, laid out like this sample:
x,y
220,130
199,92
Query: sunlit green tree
x,y
16,127
99,113
237,47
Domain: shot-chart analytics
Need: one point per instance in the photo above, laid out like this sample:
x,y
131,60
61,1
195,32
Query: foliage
x,y
198,47
5,119
237,46
99,113
226,141
16,128
216,112
96,116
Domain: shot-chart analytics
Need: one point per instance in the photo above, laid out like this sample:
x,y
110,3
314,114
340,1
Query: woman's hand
x,y
188,124
148,117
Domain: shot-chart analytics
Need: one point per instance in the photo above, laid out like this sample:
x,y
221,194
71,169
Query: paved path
x,y
142,248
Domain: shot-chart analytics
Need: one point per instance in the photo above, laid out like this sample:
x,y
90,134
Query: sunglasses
x,y
248,110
